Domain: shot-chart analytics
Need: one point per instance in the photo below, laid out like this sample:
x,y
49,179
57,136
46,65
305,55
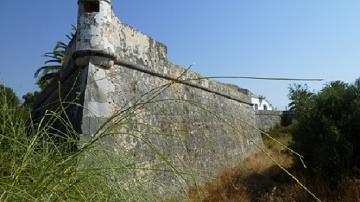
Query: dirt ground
x,y
259,179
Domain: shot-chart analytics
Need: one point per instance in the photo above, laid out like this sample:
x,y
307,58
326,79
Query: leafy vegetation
x,y
29,98
8,97
258,178
46,74
327,129
50,71
299,96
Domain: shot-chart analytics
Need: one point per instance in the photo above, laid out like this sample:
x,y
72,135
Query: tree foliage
x,y
8,96
327,127
299,96
29,98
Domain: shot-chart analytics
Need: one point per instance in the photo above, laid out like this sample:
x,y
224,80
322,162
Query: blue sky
x,y
264,38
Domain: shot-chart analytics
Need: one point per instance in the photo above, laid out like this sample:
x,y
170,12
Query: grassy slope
x,y
35,168
259,179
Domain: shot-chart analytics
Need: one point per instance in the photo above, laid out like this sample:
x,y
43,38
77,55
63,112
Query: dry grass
x,y
259,179
347,191
251,179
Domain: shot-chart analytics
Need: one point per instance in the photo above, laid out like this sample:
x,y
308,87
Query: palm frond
x,y
46,79
59,52
48,72
60,46
73,33
46,69
53,55
59,61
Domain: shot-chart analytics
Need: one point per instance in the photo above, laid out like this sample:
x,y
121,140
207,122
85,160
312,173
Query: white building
x,y
260,103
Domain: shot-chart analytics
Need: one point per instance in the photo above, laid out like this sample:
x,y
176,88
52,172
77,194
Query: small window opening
x,y
91,6
256,106
265,107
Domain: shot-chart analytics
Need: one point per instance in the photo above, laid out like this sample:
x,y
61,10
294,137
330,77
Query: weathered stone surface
x,y
198,131
266,120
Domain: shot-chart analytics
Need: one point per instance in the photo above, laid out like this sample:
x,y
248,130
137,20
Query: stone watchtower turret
x,y
93,33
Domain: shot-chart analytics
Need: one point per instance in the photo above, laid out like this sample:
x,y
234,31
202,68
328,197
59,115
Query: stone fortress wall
x,y
266,120
201,125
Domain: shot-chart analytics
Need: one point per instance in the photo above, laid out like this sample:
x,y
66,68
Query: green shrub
x,y
8,96
327,128
30,98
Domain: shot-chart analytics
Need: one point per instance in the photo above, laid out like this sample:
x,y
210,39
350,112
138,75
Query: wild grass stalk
x,y
36,163
35,167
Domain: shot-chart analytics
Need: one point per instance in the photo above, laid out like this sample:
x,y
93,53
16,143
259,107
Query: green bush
x,y
8,96
30,98
327,128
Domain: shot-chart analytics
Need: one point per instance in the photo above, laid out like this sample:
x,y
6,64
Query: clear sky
x,y
263,38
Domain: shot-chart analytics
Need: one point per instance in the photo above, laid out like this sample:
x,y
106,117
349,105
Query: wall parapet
x,y
269,113
266,120
193,82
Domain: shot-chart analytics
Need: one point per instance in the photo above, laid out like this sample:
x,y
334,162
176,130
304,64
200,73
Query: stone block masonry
x,y
200,125
267,120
